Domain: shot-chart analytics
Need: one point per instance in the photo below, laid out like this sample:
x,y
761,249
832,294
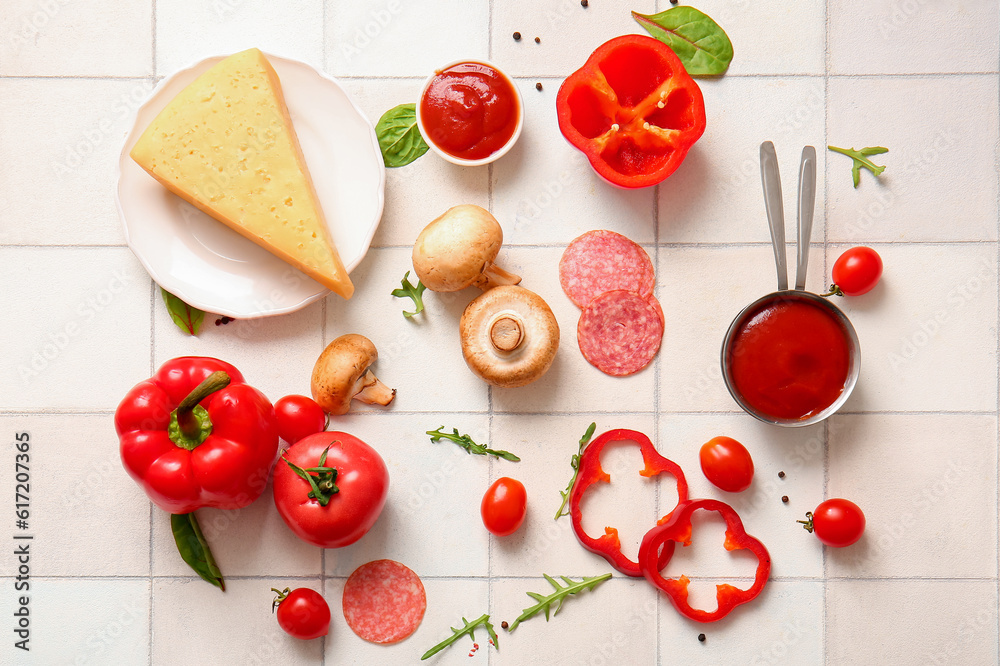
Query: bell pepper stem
x,y
190,424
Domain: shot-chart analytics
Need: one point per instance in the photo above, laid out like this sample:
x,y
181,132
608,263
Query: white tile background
x,y
916,446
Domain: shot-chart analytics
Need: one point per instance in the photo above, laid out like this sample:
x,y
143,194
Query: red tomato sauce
x,y
470,110
790,359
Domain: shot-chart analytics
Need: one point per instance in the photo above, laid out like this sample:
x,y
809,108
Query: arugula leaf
x,y
194,548
469,445
703,47
399,137
574,462
860,158
557,597
410,291
187,318
467,630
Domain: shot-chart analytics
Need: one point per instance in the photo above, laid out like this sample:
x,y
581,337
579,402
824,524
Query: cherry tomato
x,y
298,417
727,464
348,502
857,271
836,522
302,612
504,506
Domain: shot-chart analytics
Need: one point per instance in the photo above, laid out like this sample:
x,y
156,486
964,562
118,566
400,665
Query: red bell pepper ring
x,y
633,110
609,544
677,529
196,435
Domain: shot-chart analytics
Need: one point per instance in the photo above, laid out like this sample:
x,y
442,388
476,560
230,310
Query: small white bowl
x,y
496,154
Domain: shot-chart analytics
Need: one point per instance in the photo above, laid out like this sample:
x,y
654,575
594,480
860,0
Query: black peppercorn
x,y
517,36
781,475
701,638
538,86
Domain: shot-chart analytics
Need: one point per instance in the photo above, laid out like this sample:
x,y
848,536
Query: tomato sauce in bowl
x,y
790,358
470,113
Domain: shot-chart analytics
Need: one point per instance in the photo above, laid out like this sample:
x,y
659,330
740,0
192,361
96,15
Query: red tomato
x,y
857,271
504,506
349,502
727,464
302,613
298,417
836,522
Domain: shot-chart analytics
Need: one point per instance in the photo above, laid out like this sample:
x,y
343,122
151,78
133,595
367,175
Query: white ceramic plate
x,y
208,265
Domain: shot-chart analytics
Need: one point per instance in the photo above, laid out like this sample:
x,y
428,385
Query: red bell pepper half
x,y
633,110
196,435
677,529
609,545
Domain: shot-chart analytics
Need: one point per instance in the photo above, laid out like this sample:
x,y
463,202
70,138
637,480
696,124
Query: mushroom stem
x,y
506,333
494,276
374,391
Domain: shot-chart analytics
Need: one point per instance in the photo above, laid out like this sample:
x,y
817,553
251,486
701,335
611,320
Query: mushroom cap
x,y
336,377
509,336
451,252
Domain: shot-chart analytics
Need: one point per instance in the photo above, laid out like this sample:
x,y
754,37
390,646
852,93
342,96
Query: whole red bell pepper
x,y
195,435
590,472
677,529
633,110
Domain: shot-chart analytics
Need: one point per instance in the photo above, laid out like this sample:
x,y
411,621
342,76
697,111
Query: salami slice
x,y
619,333
384,601
600,261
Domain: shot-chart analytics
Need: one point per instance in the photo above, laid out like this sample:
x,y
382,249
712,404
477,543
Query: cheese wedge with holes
x,y
226,145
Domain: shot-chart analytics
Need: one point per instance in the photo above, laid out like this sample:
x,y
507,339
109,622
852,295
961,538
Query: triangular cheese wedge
x,y
227,145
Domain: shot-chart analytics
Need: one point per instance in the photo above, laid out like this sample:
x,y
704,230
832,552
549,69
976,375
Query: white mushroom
x,y
342,373
509,336
457,250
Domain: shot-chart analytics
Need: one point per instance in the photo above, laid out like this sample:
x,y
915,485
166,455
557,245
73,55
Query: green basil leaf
x,y
698,41
398,136
194,549
187,318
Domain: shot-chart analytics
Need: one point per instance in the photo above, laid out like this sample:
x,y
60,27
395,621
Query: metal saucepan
x,y
771,181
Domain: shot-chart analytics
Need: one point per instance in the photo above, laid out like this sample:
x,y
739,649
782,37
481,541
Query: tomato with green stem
x,y
836,522
504,506
298,417
727,464
856,272
303,612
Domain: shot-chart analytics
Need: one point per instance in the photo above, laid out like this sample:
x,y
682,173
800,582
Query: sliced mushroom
x,y
509,336
457,250
342,373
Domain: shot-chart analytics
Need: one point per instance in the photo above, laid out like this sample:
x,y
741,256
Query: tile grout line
x,y
152,352
997,358
489,389
824,638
